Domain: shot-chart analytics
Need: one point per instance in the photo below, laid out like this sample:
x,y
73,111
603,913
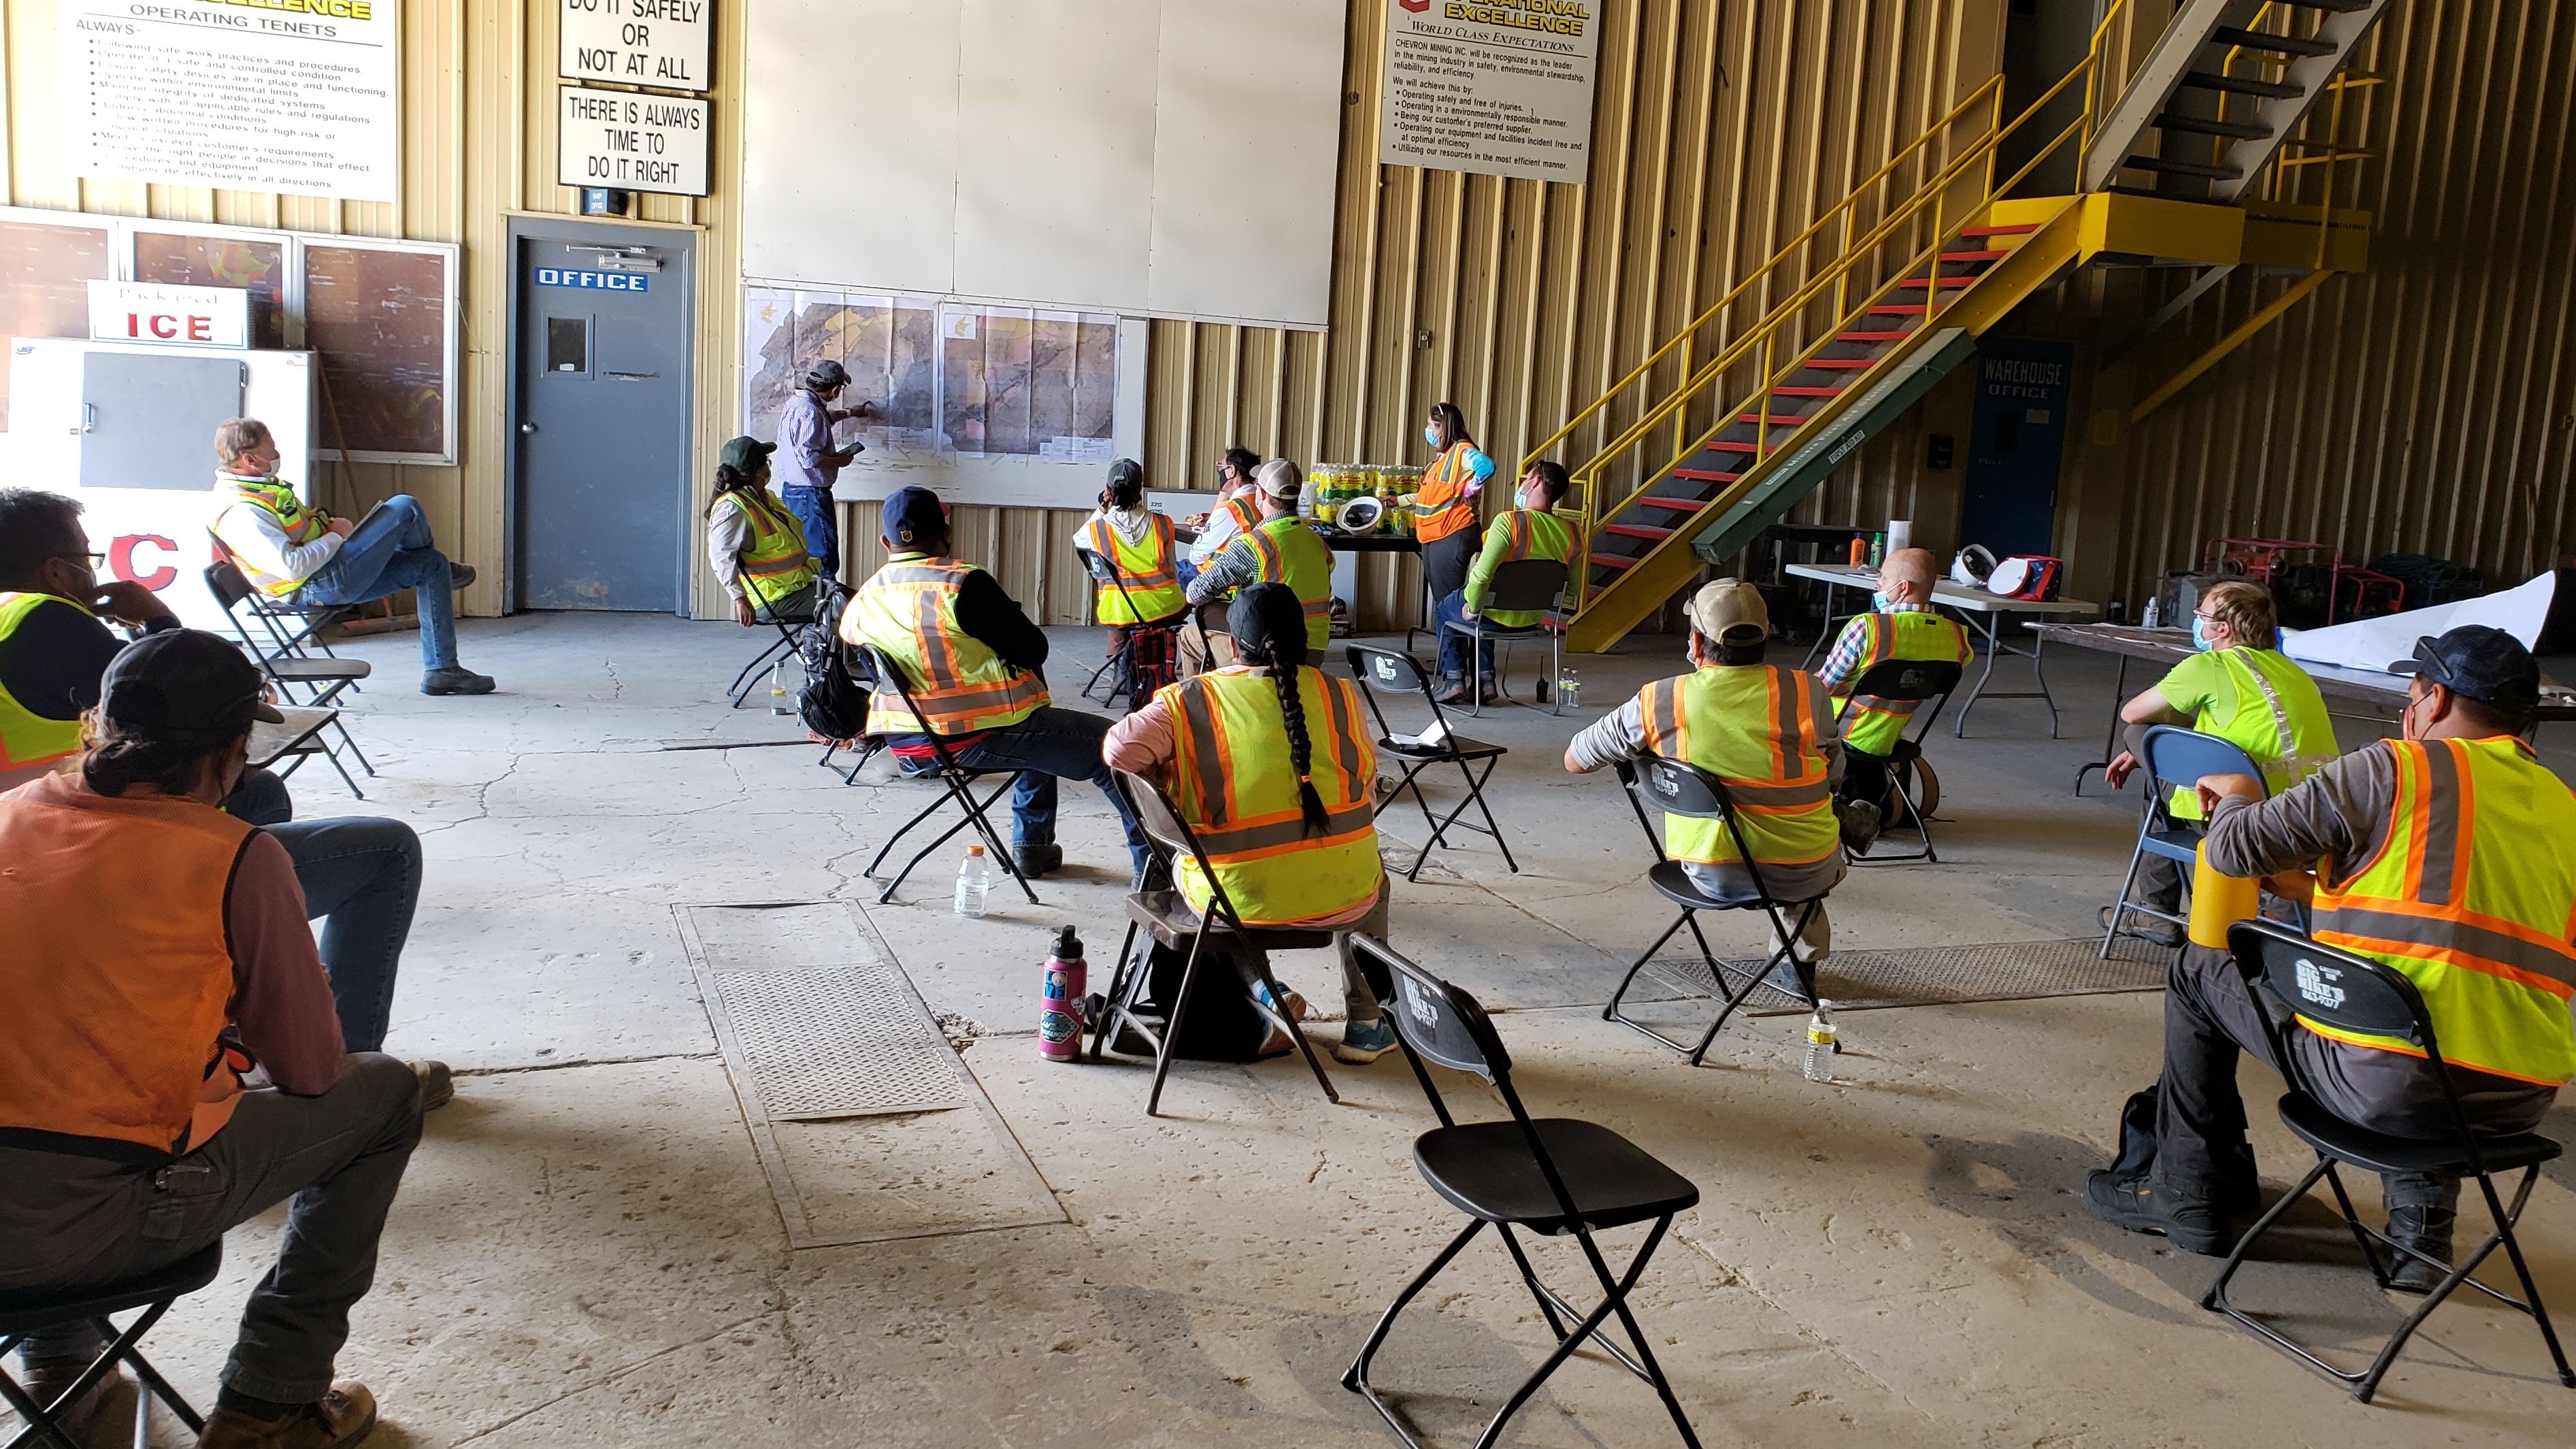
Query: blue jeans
x,y
260,799
821,519
363,873
1452,609
1049,745
392,553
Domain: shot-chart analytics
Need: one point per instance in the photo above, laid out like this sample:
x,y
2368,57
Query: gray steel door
x,y
145,418
602,427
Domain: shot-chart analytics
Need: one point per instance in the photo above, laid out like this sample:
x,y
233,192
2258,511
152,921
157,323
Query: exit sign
x,y
162,312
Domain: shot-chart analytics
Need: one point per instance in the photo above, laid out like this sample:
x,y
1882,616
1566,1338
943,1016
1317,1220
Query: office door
x,y
602,426
2018,438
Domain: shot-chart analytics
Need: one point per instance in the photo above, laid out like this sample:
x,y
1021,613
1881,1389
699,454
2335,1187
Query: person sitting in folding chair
x,y
1237,511
1901,624
976,667
1281,549
2429,858
1531,528
1269,763
755,546
1761,729
1145,599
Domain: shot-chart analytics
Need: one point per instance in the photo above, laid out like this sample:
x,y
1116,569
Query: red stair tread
x,y
1801,390
1638,530
1887,311
1696,475
1613,561
1841,364
2024,229
1777,420
1724,447
1881,336
1947,280
1974,256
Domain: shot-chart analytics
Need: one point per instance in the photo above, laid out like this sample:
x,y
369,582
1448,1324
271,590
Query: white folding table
x,y
1985,614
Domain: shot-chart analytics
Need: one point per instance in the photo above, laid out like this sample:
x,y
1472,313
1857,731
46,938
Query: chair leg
x,y
2505,1224
345,777
1787,950
1615,1301
1652,1372
1280,993
963,794
1552,1303
1476,793
1355,1378
1122,986
42,1428
349,742
2120,902
1172,1023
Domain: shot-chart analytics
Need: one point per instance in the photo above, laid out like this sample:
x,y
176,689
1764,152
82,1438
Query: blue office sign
x,y
594,281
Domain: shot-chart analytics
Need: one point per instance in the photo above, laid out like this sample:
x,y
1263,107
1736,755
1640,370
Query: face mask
x,y
2200,634
1879,602
1432,436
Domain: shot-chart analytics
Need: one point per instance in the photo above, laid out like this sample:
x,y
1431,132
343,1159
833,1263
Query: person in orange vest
x,y
2442,855
129,1140
1444,504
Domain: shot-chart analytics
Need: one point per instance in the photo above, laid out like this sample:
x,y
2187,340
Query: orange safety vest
x,y
1441,505
120,977
1247,513
909,610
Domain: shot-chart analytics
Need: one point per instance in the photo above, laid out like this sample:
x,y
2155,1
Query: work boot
x,y
455,679
2133,1203
437,1084
45,1383
1861,822
343,1417
459,575
1037,860
1485,691
2153,932
2421,1216
1453,689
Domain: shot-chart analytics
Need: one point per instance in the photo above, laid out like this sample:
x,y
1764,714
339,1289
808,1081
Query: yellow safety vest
x,y
909,610
278,500
1149,586
2471,897
1756,727
2280,720
28,739
1441,505
1516,534
1872,725
1288,552
1234,782
776,565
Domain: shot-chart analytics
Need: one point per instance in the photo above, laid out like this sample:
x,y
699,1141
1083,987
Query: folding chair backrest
x,y
226,583
883,672
1439,1021
1678,789
1527,585
1388,671
2176,756
1157,816
2335,989
1099,568
1908,679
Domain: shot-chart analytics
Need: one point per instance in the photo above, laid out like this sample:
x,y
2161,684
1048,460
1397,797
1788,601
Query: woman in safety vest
x,y
1270,763
1444,506
756,546
1145,551
2241,688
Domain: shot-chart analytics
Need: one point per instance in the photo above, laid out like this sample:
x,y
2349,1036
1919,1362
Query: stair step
x,y
1886,310
2203,126
2017,229
1638,530
1974,256
2340,7
1777,420
1688,505
1613,561
2240,85
1918,283
2258,40
2185,168
1877,337
1727,447
1843,364
1803,390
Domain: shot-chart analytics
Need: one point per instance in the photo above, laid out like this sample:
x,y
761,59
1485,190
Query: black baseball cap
x,y
183,680
825,375
2480,662
912,516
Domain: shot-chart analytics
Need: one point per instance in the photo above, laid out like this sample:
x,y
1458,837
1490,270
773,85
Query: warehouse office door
x,y
602,421
2017,441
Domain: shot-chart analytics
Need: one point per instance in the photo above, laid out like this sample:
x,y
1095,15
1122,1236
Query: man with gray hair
x,y
809,463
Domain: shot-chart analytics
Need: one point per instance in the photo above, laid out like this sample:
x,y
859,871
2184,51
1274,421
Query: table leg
x,y
2110,737
1992,623
2039,676
1984,624
1824,634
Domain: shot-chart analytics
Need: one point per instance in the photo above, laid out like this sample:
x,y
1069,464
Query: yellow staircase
x,y
1844,345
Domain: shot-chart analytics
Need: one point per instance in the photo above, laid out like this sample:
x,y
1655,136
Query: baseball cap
x,y
2480,662
826,374
1126,470
183,679
1730,611
1278,478
912,516
744,455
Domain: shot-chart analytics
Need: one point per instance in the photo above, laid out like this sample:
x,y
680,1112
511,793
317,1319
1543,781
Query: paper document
x,y
2378,643
1430,737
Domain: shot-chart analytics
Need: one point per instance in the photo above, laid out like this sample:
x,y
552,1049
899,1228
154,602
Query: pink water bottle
x,y
1060,1004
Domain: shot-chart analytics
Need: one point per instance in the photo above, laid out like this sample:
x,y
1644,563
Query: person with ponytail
x,y
1269,762
756,546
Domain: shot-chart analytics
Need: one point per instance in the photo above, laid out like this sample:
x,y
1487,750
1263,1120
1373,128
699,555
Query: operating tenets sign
x,y
1501,87
298,96
633,141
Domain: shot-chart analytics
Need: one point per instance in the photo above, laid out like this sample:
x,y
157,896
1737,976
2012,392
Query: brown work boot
x,y
344,1417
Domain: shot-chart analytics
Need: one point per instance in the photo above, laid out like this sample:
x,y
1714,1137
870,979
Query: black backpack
x,y
834,701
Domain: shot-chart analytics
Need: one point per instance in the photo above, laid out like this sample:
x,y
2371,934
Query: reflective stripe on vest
x,y
1288,552
29,740
1756,728
2471,901
776,565
2280,719
1441,506
909,610
1235,783
278,501
1148,587
1246,511
1872,725
117,1036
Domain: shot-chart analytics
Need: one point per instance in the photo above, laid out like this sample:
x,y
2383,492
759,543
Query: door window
x,y
568,344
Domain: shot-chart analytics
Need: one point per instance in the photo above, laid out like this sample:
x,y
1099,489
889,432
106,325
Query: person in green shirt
x,y
1532,528
2242,688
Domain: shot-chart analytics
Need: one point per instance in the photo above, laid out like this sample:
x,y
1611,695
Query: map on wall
x,y
960,378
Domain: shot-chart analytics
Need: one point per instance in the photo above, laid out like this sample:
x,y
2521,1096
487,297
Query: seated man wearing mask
x,y
1901,624
976,667
128,1139
1281,549
1237,511
1530,528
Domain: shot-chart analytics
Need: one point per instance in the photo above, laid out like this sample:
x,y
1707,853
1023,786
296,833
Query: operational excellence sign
x,y
1498,87
1557,17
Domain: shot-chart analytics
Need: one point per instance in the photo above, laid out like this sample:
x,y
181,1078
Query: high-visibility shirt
x,y
1872,725
29,740
1288,552
2260,701
1149,580
1441,504
775,564
1234,780
1516,534
1758,728
302,525
2472,896
909,610
114,908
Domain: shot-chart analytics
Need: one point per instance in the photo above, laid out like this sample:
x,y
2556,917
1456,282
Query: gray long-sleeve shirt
x,y
804,444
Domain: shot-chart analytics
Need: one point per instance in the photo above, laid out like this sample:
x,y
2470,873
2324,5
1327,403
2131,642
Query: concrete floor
x,y
586,1251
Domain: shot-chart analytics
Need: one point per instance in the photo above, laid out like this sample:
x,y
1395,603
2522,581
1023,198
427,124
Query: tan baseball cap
x,y
1278,478
1730,611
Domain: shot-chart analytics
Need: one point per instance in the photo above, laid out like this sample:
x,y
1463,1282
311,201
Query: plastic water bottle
x,y
1060,999
2153,617
1569,689
1820,1043
974,879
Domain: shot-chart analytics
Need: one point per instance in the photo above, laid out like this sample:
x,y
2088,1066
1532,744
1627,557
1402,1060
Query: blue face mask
x,y
1879,602
1432,436
2200,634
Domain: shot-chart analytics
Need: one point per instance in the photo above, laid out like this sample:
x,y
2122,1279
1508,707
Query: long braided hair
x,y
1269,628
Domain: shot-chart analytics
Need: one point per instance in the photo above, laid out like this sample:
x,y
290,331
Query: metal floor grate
x,y
1946,975
837,1041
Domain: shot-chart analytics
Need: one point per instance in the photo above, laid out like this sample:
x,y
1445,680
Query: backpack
x,y
834,701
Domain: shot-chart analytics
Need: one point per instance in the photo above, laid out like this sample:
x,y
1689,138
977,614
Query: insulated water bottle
x,y
1060,999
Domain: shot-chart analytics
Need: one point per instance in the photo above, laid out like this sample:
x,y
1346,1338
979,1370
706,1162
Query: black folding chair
x,y
1387,671
323,677
2289,973
2171,756
1910,780
1555,1176
1165,917
788,645
958,787
1675,788
1523,586
294,630
154,1293
1159,637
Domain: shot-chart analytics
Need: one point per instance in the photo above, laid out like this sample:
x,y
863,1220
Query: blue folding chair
x,y
2171,756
